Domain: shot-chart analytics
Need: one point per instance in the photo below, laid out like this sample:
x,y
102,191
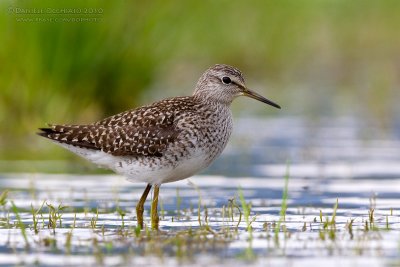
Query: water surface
x,y
345,162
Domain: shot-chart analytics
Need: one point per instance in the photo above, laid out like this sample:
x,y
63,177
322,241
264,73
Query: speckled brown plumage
x,y
146,131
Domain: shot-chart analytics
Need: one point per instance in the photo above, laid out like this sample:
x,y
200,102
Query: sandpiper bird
x,y
163,142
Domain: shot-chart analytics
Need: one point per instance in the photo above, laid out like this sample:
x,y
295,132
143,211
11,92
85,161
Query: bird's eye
x,y
226,80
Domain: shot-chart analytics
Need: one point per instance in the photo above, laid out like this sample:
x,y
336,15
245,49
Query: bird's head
x,y
223,83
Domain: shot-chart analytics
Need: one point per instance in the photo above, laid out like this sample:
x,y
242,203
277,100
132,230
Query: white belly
x,y
135,171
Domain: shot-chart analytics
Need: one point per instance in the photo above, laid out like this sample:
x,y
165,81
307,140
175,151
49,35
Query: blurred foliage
x,y
315,57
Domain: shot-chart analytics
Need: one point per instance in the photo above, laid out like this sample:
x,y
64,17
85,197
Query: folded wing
x,y
120,135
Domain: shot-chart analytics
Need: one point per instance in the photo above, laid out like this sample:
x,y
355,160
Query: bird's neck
x,y
214,100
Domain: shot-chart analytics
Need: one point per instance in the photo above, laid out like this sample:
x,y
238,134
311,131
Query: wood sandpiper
x,y
166,141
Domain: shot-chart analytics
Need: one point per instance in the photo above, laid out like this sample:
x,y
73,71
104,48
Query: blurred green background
x,y
315,58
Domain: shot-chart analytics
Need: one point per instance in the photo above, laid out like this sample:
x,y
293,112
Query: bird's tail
x,y
77,135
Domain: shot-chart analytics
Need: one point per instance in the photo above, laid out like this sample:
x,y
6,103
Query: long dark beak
x,y
258,97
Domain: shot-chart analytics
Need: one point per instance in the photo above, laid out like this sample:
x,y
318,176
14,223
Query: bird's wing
x,y
140,132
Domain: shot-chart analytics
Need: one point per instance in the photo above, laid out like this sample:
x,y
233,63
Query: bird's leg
x,y
154,204
140,206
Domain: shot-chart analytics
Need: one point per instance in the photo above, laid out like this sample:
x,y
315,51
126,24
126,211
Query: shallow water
x,y
345,161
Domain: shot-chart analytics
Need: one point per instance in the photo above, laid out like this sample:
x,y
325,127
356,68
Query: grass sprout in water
x,y
282,213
